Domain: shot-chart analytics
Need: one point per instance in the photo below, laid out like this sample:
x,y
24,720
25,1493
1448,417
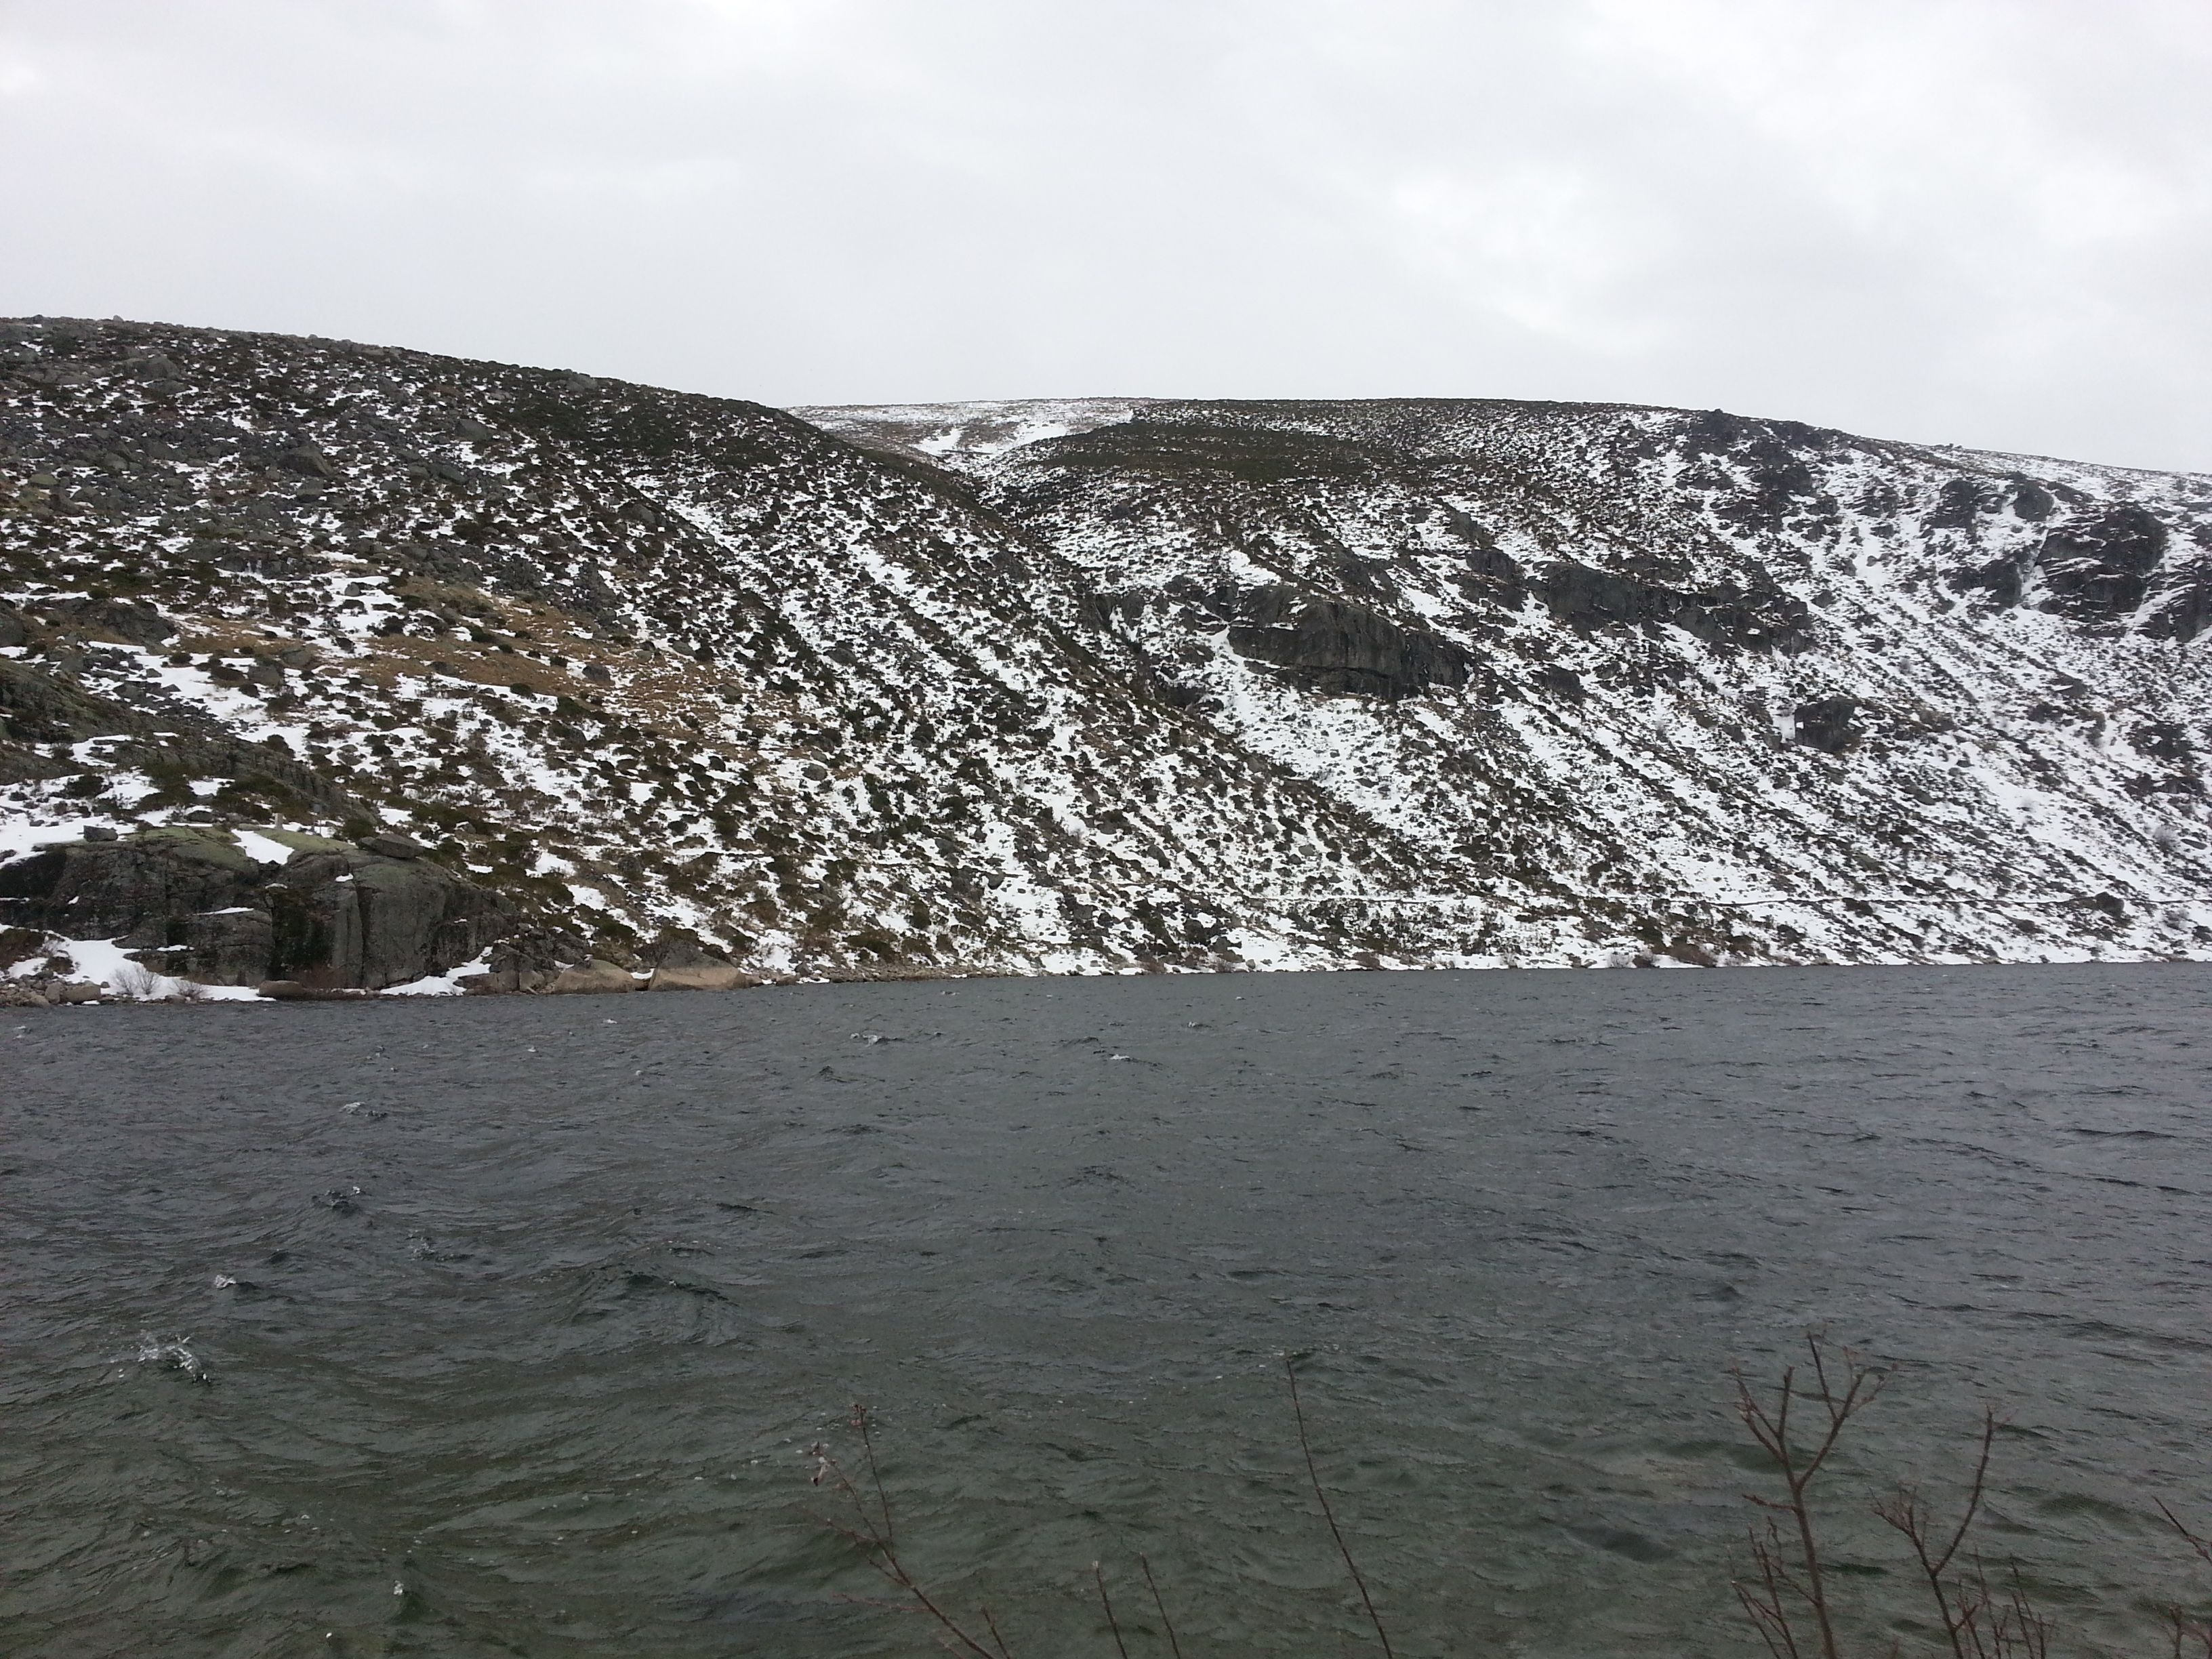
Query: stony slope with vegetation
x,y
341,665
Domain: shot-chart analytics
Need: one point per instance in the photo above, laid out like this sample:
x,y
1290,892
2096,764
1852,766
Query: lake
x,y
501,1326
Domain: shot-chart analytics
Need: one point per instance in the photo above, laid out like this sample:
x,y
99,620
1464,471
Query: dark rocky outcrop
x,y
123,619
2004,579
529,959
1338,649
1562,682
309,462
1491,573
1961,502
348,916
1749,619
2095,568
2101,568
2183,610
193,905
1827,724
137,887
1777,484
1251,453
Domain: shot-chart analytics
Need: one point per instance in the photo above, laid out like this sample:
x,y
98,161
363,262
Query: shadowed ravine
x,y
514,1317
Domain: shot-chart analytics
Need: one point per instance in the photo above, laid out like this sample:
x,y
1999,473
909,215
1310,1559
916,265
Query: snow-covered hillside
x,y
1084,684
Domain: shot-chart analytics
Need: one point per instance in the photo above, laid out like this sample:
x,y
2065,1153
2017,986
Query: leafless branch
x,y
1763,1603
1790,1578
2202,1546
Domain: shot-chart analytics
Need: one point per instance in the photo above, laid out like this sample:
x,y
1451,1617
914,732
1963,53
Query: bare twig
x,y
1098,1574
2202,1546
1764,1605
1313,1471
1977,1622
1785,1584
2032,1629
1166,1623
1903,1511
2191,1635
868,1446
873,1540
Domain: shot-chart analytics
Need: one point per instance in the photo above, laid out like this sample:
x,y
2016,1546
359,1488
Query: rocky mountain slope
x,y
382,669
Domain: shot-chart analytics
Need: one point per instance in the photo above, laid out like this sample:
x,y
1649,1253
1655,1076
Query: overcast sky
x,y
1972,222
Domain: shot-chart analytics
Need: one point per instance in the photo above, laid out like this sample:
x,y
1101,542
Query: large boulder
x,y
702,975
527,959
590,977
309,462
1827,724
127,620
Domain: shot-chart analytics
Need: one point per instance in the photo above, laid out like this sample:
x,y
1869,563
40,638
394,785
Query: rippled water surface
x,y
500,1326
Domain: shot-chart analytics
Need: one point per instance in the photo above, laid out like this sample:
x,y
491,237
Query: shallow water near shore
x,y
491,1327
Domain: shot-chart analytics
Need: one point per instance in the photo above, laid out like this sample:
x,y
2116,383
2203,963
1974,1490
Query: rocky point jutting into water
x,y
337,666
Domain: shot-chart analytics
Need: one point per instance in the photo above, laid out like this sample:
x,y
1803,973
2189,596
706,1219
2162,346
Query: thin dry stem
x,y
868,1446
1313,1471
873,1538
1166,1623
2191,1636
1098,1574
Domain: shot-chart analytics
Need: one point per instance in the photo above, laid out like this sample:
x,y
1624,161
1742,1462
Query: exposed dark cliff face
x,y
2099,567
345,916
192,904
1336,648
1023,687
1827,724
1754,621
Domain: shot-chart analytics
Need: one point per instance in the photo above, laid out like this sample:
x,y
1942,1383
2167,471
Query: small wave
x,y
170,1353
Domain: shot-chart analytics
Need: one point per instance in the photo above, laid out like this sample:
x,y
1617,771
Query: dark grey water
x,y
489,1328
